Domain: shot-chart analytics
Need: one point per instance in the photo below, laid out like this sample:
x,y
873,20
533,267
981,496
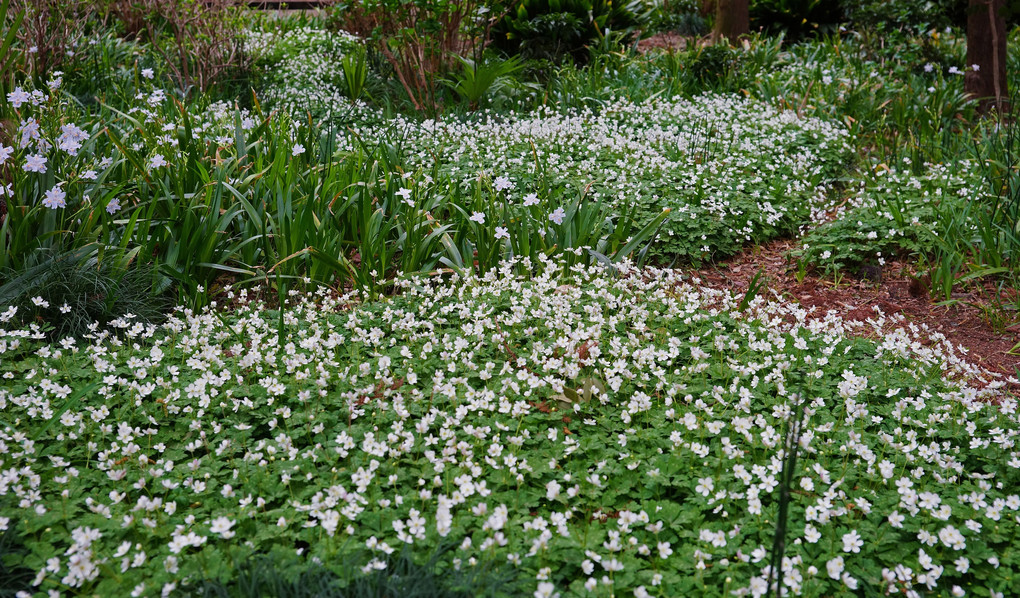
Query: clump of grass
x,y
397,575
14,576
73,291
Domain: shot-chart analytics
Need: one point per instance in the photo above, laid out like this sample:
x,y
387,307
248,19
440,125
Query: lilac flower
x,y
29,131
55,198
157,161
18,97
35,163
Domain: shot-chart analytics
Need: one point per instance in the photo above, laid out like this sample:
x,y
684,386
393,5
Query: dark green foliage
x,y
265,577
14,576
720,68
683,23
795,18
713,66
981,238
561,29
478,80
911,15
78,291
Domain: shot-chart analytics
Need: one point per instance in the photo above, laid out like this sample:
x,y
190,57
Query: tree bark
x,y
732,19
985,77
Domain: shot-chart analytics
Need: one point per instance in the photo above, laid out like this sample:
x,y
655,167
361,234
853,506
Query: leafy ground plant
x,y
731,171
603,436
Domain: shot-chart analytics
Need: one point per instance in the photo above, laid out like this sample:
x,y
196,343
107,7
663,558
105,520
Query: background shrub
x,y
199,41
421,41
561,29
795,18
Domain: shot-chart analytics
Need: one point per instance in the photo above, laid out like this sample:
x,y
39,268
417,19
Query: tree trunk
x,y
732,19
985,76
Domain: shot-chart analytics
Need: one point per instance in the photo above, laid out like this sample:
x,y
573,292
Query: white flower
x,y
297,150
811,534
147,73
952,538
975,67
834,567
852,542
478,217
157,161
664,550
612,565
546,590
221,526
502,233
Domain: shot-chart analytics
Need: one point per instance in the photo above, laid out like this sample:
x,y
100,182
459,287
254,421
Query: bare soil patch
x,y
663,41
987,334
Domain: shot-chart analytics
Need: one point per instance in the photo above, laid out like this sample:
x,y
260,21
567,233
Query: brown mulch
x,y
896,289
663,41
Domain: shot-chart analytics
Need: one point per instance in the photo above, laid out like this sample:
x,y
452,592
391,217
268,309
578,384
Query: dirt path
x,y
988,340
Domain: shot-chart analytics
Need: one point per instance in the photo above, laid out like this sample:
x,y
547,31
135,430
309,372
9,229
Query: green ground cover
x,y
595,434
